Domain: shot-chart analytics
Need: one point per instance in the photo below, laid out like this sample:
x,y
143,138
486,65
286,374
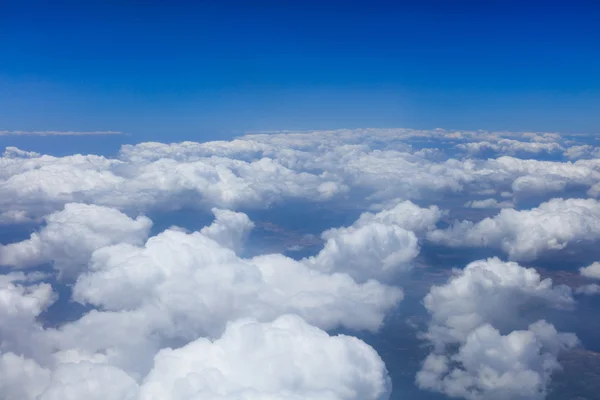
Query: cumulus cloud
x,y
230,229
487,291
591,271
589,289
378,165
509,147
524,235
376,246
200,285
489,365
21,378
582,152
489,203
179,292
471,358
285,359
70,236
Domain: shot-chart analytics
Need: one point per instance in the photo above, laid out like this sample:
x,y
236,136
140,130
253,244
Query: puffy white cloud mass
x,y
589,289
524,235
285,359
489,203
159,302
591,271
70,236
489,365
230,229
471,358
182,284
377,245
374,165
487,291
510,147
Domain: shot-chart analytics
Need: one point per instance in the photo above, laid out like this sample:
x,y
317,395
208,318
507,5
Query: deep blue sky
x,y
163,70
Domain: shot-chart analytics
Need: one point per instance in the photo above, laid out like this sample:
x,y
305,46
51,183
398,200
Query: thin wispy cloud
x,y
58,133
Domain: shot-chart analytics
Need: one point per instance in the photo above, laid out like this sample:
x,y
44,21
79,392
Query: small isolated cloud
x,y
591,271
58,133
589,289
489,203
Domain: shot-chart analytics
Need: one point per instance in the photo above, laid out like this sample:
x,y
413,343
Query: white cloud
x,y
21,378
285,359
201,285
487,291
488,203
70,236
510,147
230,229
589,289
470,357
582,151
90,381
491,366
591,271
376,246
524,235
259,170
15,217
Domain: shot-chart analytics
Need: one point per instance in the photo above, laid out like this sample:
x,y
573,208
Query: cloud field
x,y
180,312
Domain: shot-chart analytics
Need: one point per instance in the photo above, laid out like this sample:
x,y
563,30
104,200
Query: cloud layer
x,y
99,302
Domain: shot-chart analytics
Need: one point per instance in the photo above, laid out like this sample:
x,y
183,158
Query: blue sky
x,y
207,70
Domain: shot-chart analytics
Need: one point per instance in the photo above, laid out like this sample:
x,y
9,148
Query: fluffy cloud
x,y
509,147
491,366
524,235
259,170
582,152
230,229
376,246
70,236
489,203
471,358
487,291
591,271
21,378
86,380
589,289
174,290
285,359
200,285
